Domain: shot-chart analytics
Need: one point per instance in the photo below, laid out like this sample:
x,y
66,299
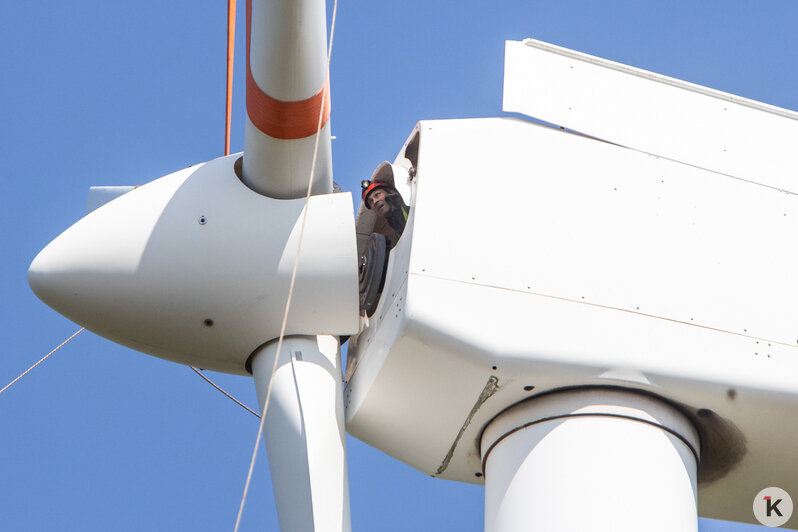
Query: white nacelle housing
x,y
536,259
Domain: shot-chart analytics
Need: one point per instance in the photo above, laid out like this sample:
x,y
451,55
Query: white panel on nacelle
x,y
539,258
653,113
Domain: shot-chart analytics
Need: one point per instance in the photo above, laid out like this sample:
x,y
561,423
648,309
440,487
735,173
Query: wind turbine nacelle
x,y
194,267
537,260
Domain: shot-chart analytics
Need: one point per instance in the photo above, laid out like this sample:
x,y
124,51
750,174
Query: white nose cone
x,y
194,267
88,271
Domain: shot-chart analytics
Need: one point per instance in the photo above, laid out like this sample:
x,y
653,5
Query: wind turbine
x,y
437,156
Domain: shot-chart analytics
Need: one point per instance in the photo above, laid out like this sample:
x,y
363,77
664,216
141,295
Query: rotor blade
x,y
231,39
288,101
304,431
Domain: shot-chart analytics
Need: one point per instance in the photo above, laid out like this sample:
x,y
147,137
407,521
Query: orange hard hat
x,y
369,186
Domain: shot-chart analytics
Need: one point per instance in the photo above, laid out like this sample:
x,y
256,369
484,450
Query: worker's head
x,y
375,196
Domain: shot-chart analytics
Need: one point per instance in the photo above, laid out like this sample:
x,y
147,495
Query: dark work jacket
x,y
395,221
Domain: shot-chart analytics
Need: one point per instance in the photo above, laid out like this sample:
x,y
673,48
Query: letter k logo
x,y
772,506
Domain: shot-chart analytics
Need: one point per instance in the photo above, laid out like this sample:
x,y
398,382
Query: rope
x,y
231,39
293,278
62,344
236,401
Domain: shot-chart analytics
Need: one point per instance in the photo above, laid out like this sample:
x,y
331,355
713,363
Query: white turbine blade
x,y
287,92
304,432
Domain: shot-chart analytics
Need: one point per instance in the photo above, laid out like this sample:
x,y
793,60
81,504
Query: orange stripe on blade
x,y
286,120
278,118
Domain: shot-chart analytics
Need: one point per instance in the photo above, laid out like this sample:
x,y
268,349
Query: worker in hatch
x,y
385,201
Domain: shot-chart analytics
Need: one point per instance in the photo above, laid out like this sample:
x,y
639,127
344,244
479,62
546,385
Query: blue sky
x,y
118,93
